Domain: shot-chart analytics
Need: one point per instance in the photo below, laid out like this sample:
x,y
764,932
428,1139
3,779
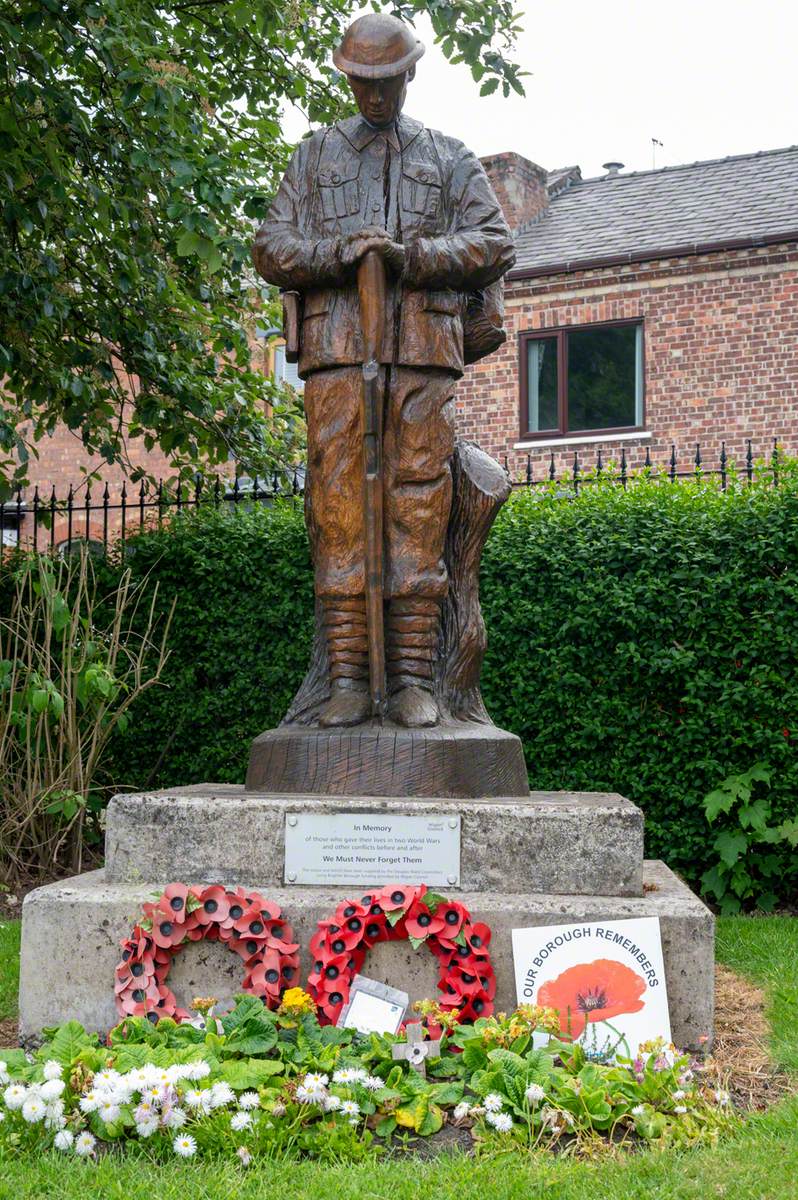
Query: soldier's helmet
x,y
377,46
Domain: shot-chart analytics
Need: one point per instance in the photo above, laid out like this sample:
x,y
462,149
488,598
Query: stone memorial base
x,y
549,858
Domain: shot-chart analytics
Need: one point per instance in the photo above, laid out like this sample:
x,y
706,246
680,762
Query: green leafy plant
x,y
254,1083
746,871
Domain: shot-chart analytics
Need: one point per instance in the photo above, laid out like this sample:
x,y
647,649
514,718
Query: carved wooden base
x,y
455,760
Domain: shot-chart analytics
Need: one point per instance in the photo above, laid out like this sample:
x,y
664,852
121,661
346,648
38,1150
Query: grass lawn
x,y
759,1163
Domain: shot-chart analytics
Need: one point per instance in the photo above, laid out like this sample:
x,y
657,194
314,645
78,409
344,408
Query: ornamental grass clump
x,y
74,657
255,1084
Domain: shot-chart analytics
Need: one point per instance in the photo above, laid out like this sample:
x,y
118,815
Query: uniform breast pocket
x,y
421,188
340,190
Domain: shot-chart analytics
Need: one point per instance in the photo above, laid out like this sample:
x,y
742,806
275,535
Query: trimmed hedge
x,y
643,641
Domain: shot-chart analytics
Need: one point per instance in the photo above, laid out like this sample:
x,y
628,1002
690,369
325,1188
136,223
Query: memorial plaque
x,y
372,849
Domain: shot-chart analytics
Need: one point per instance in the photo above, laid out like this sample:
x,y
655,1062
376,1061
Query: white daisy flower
x,y
372,1083
144,1110
184,1145
316,1081
350,1075
332,1103
15,1096
90,1102
221,1094
461,1110
52,1069
153,1092
249,1100
722,1097
534,1093
63,1140
175,1118
306,1095
109,1111
679,1094
501,1122
350,1108
107,1078
4,1075
199,1070
177,1072
244,1155
33,1110
54,1114
52,1089
679,1108
638,1110
135,1080
84,1144
493,1102
200,1098
147,1128
240,1121
568,1118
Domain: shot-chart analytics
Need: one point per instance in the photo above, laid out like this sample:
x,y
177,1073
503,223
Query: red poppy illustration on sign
x,y
595,991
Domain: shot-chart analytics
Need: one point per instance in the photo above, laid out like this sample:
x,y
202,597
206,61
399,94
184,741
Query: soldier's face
x,y
380,100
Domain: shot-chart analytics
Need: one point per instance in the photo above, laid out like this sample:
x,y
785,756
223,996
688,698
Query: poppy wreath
x,y
422,917
250,925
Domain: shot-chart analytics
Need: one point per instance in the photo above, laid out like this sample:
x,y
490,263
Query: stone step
x,y
570,843
71,933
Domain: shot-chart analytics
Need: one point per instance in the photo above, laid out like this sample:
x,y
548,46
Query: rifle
x,y
373,296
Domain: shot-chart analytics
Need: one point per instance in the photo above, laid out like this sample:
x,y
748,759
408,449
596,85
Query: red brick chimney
x,y
520,186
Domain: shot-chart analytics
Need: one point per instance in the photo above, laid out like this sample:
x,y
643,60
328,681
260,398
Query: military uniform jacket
x,y
430,193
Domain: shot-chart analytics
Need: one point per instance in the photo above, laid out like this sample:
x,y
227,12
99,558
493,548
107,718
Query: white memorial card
x,y
372,849
605,978
373,1007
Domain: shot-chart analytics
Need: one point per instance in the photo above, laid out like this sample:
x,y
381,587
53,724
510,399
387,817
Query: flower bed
x,y
256,1083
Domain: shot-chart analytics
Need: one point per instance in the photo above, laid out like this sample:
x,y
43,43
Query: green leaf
x,y
68,1041
243,1074
730,846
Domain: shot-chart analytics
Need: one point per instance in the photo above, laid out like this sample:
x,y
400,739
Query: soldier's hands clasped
x,y
371,237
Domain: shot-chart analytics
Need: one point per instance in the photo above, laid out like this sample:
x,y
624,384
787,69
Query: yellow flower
x,y
295,1003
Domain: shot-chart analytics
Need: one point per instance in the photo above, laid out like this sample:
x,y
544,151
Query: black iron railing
x,y
101,517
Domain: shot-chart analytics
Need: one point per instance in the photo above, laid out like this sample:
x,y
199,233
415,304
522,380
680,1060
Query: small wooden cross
x,y
415,1050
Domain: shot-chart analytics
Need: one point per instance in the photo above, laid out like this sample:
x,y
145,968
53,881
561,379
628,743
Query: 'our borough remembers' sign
x,y
605,978
371,848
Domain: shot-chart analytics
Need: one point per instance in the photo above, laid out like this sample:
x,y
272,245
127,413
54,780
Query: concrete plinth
x,y
71,934
580,843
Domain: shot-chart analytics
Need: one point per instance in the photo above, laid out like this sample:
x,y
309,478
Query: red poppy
x,y
593,991
420,922
214,906
176,895
237,902
477,1006
331,1003
251,923
398,895
477,936
167,933
265,976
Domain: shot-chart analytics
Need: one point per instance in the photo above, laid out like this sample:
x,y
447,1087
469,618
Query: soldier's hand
x,y
371,237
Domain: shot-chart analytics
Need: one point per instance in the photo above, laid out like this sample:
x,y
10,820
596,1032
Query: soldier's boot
x,y
348,653
411,639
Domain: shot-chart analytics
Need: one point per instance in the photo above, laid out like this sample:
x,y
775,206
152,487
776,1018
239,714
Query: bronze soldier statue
x,y
382,185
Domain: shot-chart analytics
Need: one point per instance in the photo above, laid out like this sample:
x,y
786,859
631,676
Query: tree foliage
x,y
139,143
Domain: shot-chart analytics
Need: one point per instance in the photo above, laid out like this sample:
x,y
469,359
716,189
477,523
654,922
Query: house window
x,y
287,371
586,379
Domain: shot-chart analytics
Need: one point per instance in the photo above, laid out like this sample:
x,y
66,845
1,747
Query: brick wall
x,y
721,356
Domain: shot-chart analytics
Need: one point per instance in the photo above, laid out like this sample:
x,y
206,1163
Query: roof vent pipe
x,y
612,169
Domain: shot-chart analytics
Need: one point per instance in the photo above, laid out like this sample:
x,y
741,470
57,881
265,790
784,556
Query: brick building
x,y
644,309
